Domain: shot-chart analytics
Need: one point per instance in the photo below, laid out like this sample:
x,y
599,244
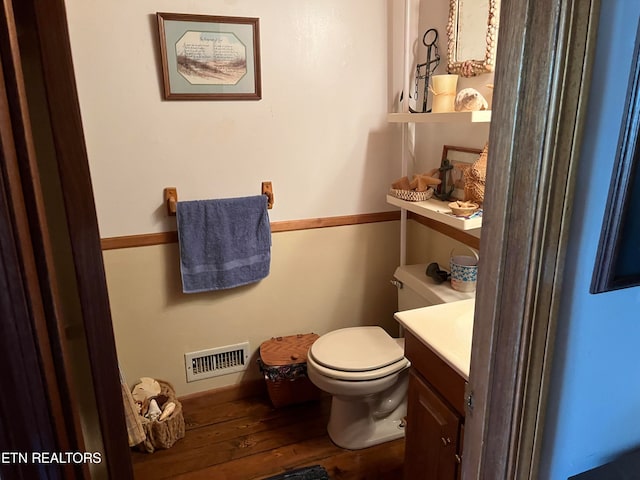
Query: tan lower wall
x,y
320,280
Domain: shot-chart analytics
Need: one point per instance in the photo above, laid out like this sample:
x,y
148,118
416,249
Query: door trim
x,y
82,225
543,64
39,41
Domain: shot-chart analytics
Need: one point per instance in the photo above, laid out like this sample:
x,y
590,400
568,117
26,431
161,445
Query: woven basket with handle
x,y
283,361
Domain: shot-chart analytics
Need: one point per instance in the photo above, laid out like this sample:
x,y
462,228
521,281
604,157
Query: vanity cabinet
x,y
435,415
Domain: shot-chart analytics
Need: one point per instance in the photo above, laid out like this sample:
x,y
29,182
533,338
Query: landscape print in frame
x,y
208,57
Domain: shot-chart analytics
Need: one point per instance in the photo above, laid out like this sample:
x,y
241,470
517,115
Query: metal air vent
x,y
216,361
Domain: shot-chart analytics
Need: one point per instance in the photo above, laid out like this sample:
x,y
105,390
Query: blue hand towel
x,y
223,243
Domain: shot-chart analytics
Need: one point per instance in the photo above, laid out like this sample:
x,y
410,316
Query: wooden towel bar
x,y
171,197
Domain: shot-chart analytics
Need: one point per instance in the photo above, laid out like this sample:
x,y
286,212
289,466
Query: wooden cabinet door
x,y
431,434
459,454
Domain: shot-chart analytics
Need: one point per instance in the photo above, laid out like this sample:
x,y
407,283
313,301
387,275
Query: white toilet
x,y
365,369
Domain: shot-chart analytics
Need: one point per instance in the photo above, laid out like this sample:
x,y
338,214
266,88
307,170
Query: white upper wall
x,y
319,133
331,71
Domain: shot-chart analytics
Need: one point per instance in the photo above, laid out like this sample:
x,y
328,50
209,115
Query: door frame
x,y
41,126
544,61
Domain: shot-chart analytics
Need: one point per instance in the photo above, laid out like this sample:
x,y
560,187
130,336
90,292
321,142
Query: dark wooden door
x,y
27,411
431,436
49,240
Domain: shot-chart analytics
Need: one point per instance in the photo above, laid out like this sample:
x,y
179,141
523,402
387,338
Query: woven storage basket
x,y
475,178
164,434
283,361
411,195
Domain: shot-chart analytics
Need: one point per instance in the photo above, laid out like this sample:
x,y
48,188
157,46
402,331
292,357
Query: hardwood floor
x,y
249,439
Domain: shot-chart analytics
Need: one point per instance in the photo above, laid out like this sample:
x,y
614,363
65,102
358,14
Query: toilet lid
x,y
356,349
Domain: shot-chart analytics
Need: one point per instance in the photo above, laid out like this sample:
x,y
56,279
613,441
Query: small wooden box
x,y
283,361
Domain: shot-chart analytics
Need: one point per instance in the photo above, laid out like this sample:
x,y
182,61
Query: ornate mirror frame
x,y
468,67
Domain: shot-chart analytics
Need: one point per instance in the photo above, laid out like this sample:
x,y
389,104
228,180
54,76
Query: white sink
x,y
447,329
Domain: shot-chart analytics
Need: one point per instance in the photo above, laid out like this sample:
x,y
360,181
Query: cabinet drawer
x,y
436,371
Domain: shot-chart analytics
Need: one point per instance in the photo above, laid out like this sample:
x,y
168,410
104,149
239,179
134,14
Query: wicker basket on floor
x,y
163,434
283,362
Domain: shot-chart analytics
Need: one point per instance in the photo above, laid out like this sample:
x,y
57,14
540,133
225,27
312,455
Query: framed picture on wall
x,y
618,258
209,57
455,161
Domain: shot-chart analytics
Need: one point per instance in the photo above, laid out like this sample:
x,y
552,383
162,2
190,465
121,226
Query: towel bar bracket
x,y
171,200
267,189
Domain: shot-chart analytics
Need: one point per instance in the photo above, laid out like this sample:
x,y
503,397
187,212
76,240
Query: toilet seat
x,y
358,376
357,354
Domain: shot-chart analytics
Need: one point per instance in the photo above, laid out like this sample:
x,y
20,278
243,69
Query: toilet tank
x,y
416,290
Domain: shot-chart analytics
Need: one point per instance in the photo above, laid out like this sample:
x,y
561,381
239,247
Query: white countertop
x,y
447,329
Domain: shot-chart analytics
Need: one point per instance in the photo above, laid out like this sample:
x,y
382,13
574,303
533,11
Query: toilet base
x,y
352,425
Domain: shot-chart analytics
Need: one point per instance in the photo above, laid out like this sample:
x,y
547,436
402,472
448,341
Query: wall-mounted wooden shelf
x,y
483,116
438,211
